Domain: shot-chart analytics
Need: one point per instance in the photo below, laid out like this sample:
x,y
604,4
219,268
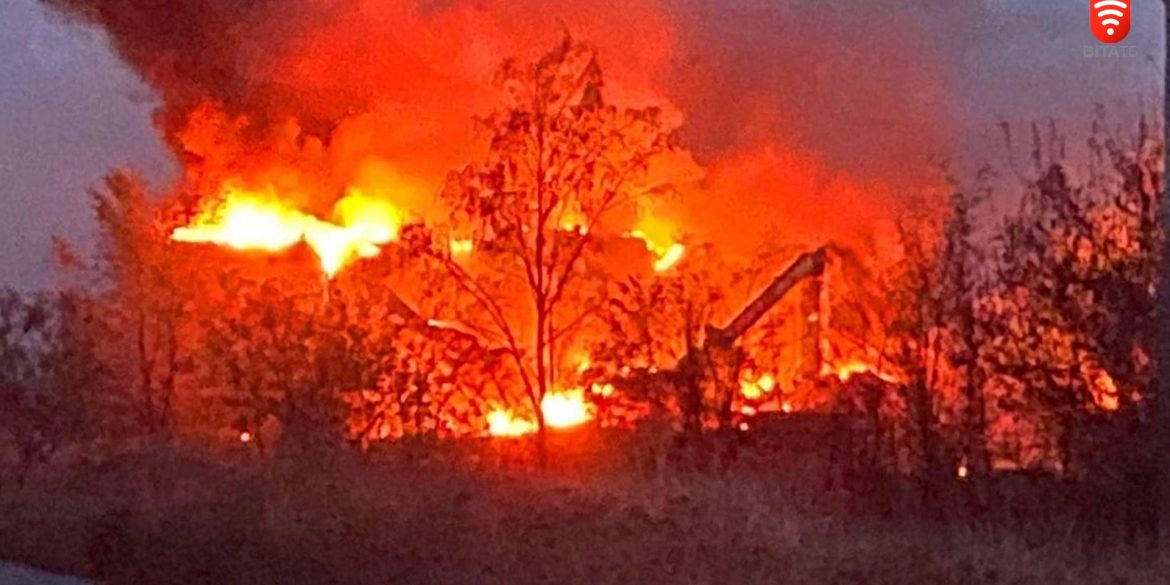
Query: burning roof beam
x,y
810,264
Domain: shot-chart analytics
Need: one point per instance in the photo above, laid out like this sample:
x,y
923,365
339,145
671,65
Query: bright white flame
x,y
766,383
673,254
461,247
502,424
565,409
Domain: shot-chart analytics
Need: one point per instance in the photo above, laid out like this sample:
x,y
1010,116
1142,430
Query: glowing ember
x,y
755,389
1105,393
259,221
786,407
583,364
574,226
847,371
461,247
604,390
571,219
245,437
766,383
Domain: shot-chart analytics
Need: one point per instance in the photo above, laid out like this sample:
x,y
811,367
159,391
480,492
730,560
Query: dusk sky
x,y
69,111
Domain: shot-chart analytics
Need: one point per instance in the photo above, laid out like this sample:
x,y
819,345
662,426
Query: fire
x,y
755,389
461,247
846,371
246,220
661,239
668,254
565,409
562,410
1105,393
667,259
501,423
603,390
246,223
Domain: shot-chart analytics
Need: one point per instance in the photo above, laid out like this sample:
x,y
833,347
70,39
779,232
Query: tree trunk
x,y
541,385
1162,335
690,371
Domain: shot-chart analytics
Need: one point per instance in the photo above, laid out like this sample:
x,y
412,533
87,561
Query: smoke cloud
x,y
805,115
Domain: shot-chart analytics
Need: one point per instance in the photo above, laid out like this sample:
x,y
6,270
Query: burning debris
x,y
293,138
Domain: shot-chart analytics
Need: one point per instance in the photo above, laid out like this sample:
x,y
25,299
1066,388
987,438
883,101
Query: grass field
x,y
165,518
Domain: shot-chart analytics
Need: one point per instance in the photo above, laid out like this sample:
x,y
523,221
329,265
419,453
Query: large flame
x,y
260,220
565,409
562,410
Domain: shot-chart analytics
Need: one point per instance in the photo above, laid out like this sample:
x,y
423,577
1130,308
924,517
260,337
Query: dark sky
x,y
69,111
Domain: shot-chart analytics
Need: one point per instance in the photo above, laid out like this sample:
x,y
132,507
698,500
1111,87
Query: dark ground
x,y
162,517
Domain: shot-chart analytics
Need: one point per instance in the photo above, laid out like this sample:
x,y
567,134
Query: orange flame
x,y
565,409
501,423
462,247
1105,393
848,370
668,253
660,239
603,390
574,221
259,221
562,410
755,389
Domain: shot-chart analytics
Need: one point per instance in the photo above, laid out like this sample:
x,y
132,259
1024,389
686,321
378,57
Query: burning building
x,y
521,291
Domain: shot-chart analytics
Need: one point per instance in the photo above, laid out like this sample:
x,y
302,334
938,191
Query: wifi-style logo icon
x,y
1110,20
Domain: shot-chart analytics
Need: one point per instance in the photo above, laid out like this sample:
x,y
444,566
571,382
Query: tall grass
x,y
167,517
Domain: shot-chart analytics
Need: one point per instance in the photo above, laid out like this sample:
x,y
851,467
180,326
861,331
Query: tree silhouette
x,y
561,161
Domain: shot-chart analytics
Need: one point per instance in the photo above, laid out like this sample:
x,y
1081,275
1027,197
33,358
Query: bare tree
x,y
561,162
140,290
